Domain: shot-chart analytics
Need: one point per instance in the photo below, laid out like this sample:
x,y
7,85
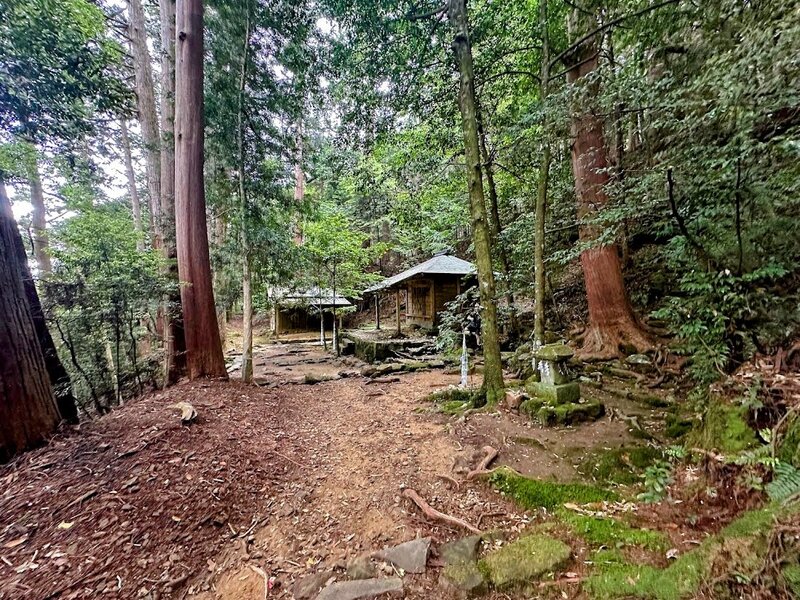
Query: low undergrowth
x,y
622,466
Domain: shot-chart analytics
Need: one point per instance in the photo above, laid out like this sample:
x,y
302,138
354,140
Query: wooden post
x,y
377,311
397,309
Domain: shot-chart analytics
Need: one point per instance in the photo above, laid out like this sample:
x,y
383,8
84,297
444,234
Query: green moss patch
x,y
724,428
533,493
622,466
453,401
605,531
738,549
676,426
522,561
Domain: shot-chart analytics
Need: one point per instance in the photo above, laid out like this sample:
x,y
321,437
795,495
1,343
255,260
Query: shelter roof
x,y
441,264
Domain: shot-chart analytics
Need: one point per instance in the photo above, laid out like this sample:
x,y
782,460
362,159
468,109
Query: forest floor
x,y
276,481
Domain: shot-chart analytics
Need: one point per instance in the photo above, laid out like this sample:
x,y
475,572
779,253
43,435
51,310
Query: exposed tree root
x,y
491,454
606,342
435,515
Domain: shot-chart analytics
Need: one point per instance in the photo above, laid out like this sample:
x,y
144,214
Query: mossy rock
x,y
466,578
530,407
415,365
522,561
533,493
457,400
570,414
724,428
521,361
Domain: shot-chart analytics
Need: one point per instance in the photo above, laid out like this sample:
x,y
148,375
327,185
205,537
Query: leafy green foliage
x,y
101,298
59,69
785,482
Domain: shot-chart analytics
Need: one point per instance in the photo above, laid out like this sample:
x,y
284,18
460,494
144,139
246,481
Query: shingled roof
x,y
441,264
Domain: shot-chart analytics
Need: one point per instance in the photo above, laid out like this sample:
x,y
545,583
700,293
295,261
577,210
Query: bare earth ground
x,y
272,481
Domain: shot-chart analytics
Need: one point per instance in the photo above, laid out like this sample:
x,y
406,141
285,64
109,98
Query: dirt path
x,y
272,483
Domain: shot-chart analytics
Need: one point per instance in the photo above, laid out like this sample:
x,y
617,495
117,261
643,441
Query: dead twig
x,y
491,454
450,480
260,571
489,515
434,514
86,496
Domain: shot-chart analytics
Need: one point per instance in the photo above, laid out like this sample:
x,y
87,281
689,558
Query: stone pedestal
x,y
555,385
556,398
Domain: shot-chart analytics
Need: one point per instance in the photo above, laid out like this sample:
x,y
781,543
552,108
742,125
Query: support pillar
x,y
377,311
397,309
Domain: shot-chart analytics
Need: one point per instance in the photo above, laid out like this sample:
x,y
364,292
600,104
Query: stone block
x,y
554,394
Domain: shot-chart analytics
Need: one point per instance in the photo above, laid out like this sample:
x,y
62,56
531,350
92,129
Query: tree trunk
x,y
148,117
541,195
41,244
132,190
203,347
174,340
299,184
59,378
28,412
612,322
493,369
247,292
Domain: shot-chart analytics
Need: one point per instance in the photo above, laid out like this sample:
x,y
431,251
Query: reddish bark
x,y
28,412
612,322
59,378
174,341
203,346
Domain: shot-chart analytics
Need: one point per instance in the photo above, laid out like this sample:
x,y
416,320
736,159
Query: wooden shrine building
x,y
427,288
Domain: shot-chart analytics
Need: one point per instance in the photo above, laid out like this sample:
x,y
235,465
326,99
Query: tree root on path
x,y
435,515
491,454
451,480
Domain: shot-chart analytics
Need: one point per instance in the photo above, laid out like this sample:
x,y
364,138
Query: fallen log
x,y
435,515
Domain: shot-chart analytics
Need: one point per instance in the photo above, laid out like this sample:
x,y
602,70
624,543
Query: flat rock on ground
x,y
363,588
410,556
460,552
306,587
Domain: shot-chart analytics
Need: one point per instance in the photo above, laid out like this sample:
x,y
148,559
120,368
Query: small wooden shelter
x,y
427,287
297,311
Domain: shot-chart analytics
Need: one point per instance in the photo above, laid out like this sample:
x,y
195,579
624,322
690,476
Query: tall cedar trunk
x,y
544,180
59,378
148,118
494,218
41,244
247,291
174,340
612,322
28,412
132,189
299,183
203,347
493,369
